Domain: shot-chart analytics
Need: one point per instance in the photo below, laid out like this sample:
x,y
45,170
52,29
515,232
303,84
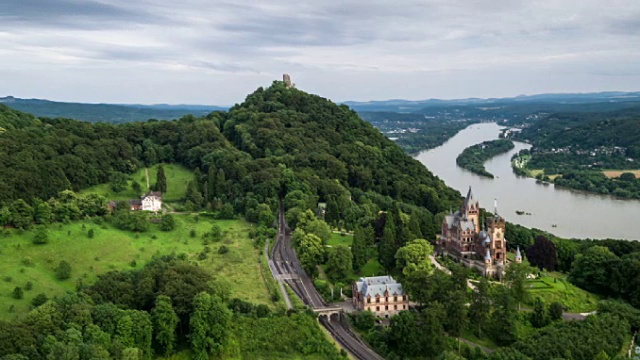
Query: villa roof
x,y
153,193
378,286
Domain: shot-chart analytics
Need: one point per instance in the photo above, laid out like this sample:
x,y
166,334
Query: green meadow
x,y
554,286
21,261
177,179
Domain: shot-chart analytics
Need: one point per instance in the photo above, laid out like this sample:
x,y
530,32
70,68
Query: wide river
x,y
566,213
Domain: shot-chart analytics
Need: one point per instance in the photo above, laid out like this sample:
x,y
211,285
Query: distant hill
x,y
109,113
421,106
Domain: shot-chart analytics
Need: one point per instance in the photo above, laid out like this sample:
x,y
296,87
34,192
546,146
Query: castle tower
x,y
471,210
518,256
497,228
287,80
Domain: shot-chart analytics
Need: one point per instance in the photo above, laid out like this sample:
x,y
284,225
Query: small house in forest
x,y
151,201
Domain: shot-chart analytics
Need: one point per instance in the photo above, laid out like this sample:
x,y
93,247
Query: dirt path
x,y
146,171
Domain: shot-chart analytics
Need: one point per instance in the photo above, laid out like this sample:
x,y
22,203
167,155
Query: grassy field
x,y
340,239
177,179
555,287
616,173
114,249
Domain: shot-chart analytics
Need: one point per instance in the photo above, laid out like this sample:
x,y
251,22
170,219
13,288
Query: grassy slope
x,y
340,239
177,179
113,249
572,297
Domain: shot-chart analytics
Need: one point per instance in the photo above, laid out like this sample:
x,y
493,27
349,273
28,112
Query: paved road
x,y
287,267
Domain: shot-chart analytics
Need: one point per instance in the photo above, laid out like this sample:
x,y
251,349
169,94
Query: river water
x,y
564,212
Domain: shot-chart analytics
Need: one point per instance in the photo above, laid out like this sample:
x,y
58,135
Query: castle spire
x,y
518,255
495,205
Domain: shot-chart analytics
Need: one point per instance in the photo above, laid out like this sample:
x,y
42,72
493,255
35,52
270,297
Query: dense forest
x,y
474,157
573,150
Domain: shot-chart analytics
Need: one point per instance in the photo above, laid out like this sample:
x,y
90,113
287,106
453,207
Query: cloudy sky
x,y
215,52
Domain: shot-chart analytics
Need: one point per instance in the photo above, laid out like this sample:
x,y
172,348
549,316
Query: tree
x,y
387,246
161,180
538,316
516,278
63,270
480,308
456,307
168,223
555,311
18,293
39,300
359,249
592,268
310,251
415,255
193,195
43,213
118,181
543,254
209,326
339,262
41,237
503,321
21,214
136,187
165,320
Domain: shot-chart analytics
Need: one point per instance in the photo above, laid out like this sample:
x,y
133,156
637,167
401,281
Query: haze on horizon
x,y
215,52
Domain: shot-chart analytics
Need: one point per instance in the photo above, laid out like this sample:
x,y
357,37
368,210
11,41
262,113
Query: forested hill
x,y
278,139
110,113
587,130
13,119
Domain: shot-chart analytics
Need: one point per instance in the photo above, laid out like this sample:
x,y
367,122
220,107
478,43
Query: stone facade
x,y
382,295
463,239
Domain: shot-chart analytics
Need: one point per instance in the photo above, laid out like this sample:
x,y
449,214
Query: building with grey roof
x,y
382,295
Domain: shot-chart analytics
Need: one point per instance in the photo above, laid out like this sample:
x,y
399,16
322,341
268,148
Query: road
x,y
288,269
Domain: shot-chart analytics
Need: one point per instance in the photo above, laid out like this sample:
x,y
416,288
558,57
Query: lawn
x,y
554,286
340,239
177,179
112,249
617,173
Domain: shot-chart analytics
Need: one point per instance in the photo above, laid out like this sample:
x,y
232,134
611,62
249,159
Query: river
x,y
564,212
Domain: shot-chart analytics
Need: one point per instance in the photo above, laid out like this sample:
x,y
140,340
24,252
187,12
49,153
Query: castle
x,y
382,295
484,249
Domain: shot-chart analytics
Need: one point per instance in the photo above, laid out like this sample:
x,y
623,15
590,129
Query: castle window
x,y
395,299
368,300
386,307
395,307
377,308
377,299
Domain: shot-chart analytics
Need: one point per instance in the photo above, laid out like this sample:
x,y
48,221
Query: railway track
x,y
286,262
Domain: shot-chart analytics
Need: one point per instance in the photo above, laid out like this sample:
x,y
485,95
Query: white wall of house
x,y
152,203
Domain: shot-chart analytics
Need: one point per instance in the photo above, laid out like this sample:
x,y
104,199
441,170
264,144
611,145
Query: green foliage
x,y
39,299
41,237
17,293
414,256
539,315
161,180
516,279
118,181
555,311
339,262
209,326
165,321
310,251
63,270
168,223
474,157
591,269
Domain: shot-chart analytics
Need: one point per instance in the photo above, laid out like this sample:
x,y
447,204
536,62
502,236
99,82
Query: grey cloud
x,y
69,14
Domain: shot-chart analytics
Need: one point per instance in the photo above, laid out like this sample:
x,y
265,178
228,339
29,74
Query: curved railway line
x,y
287,265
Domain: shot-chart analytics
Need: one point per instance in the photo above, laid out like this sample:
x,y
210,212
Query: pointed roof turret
x,y
487,257
518,255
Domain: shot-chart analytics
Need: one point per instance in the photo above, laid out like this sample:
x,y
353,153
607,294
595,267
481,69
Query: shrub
x,y
223,249
18,293
39,300
41,237
91,234
168,223
63,270
28,286
27,261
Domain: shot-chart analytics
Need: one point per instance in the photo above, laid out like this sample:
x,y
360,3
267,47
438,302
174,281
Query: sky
x,y
216,52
